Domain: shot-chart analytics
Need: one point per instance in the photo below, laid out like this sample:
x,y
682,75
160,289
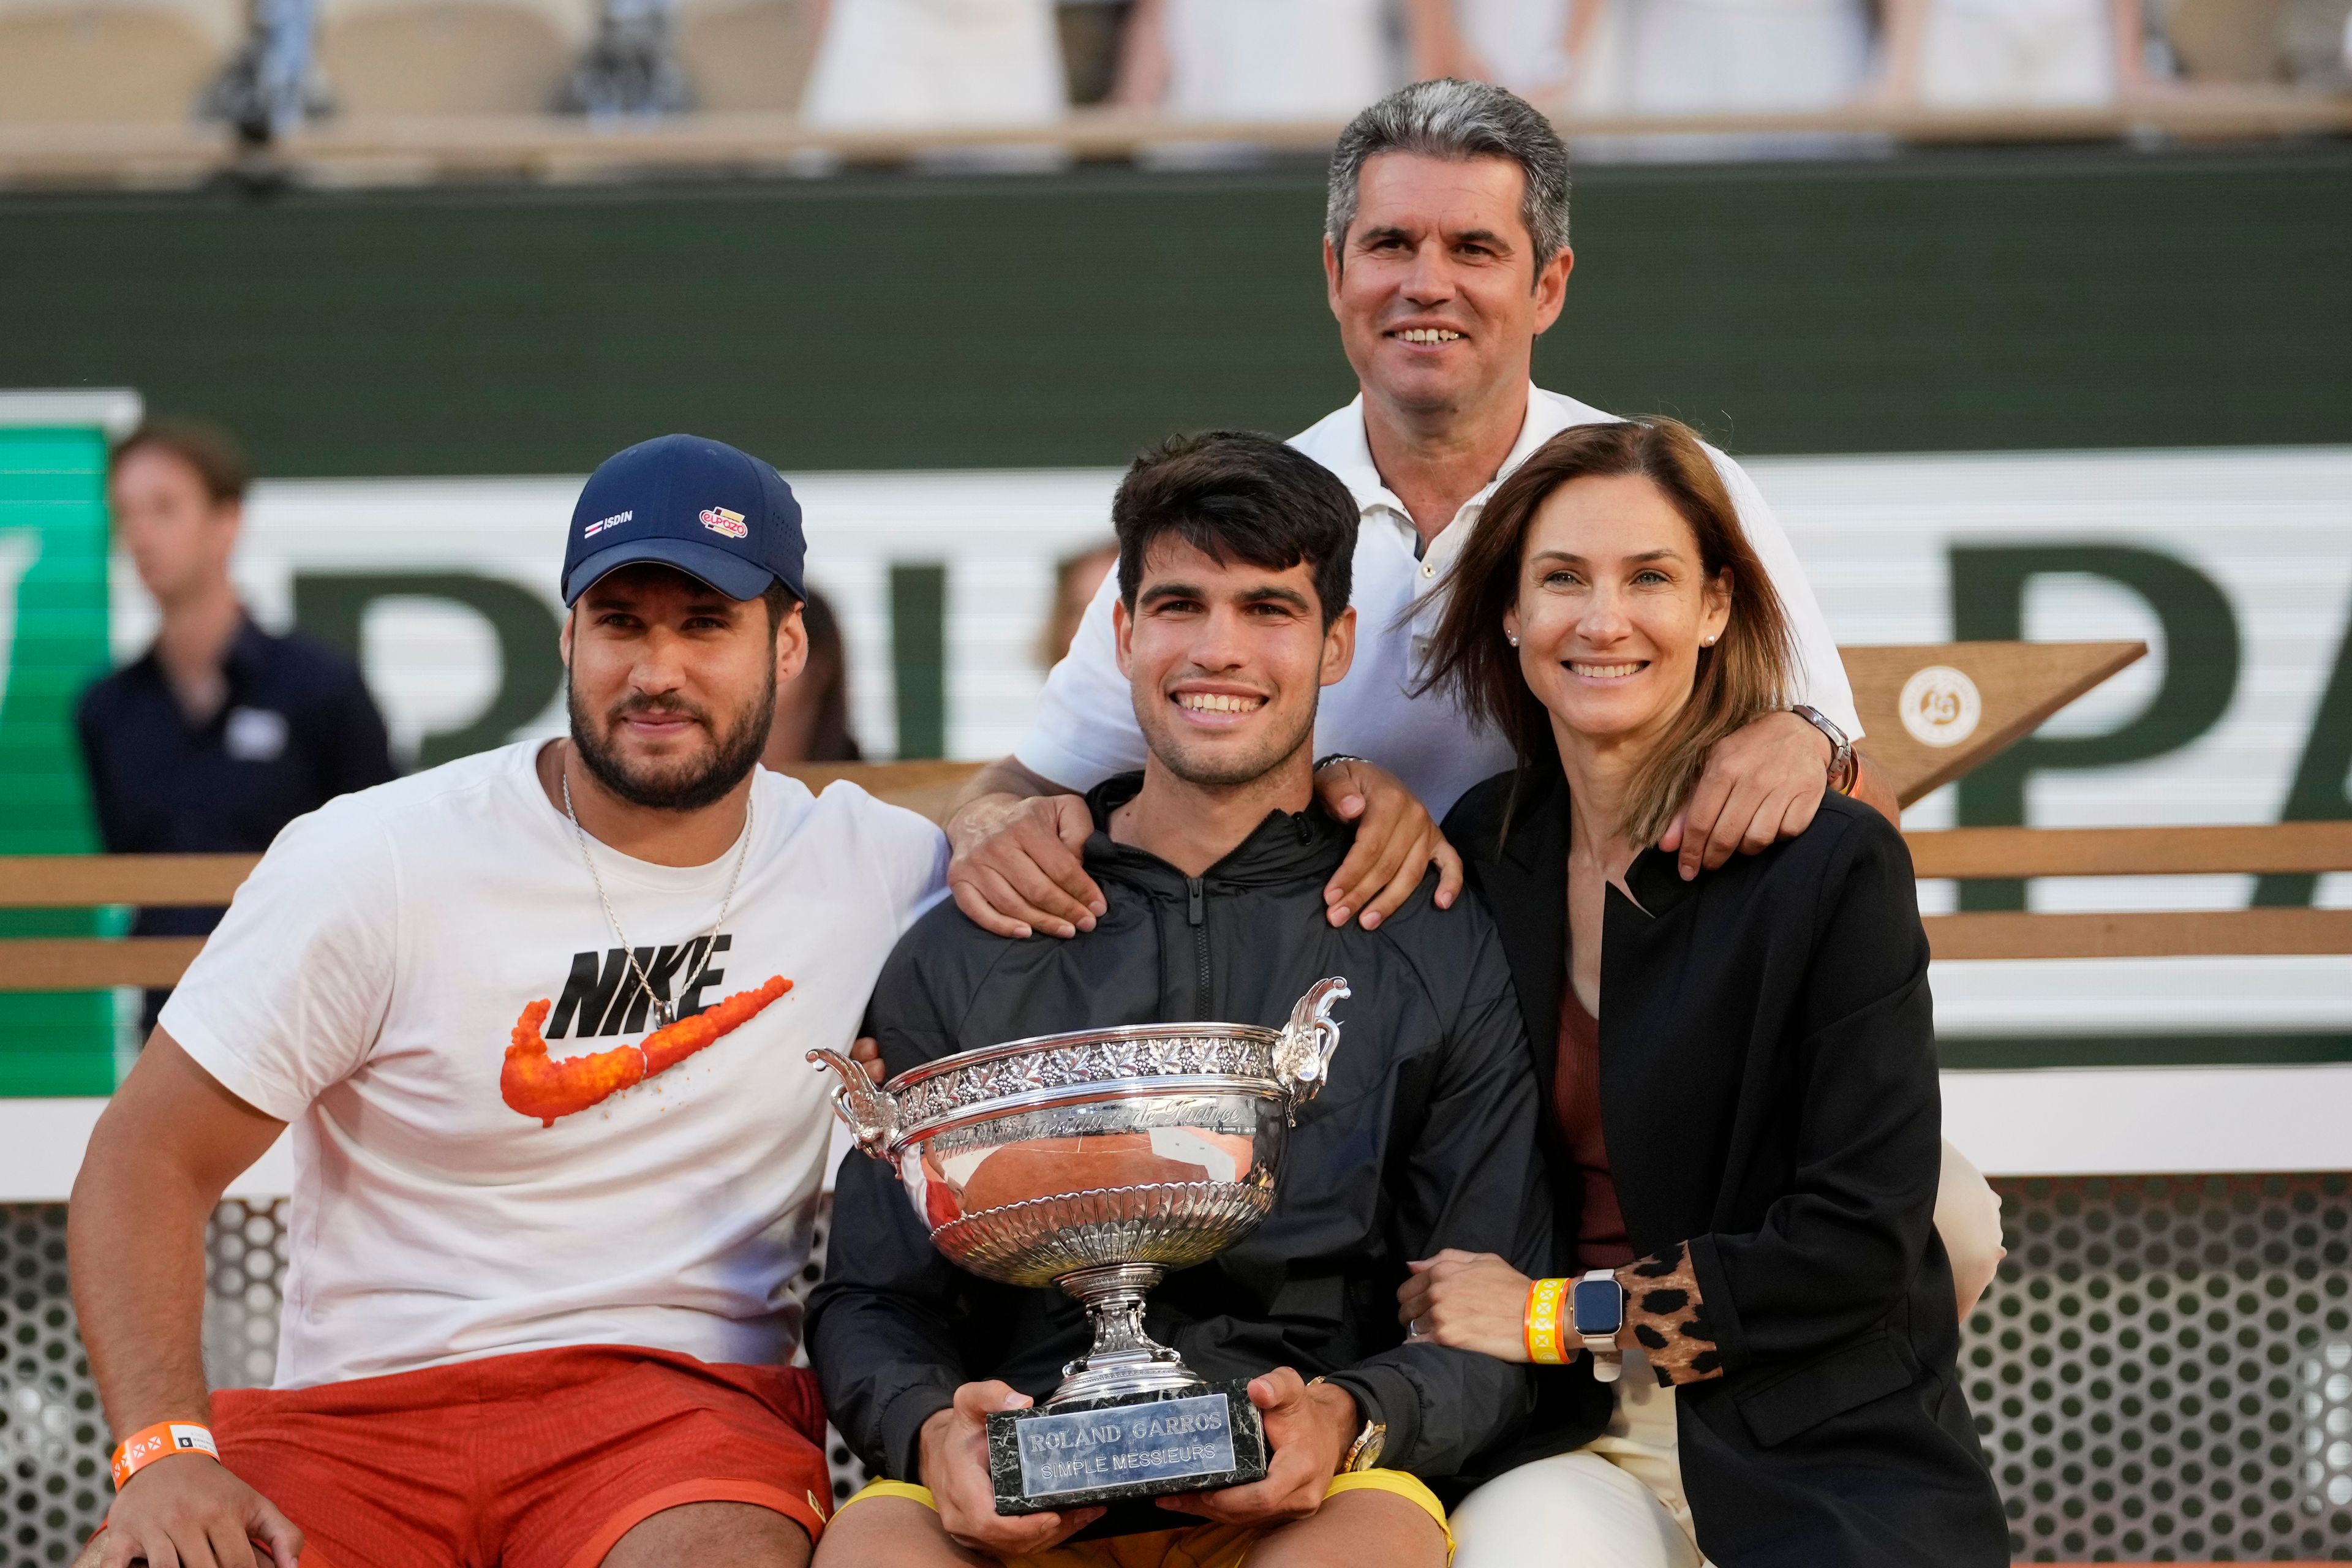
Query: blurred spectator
x,y
1535,47
1091,31
1733,57
1075,580
812,723
919,63
219,734
1983,53
2305,42
1256,59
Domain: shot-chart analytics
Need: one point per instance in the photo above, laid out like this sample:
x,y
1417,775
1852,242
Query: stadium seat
x,y
2227,40
109,61
746,55
2316,37
396,58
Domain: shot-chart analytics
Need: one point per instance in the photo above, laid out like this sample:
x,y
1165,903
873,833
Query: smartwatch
x,y
1597,1310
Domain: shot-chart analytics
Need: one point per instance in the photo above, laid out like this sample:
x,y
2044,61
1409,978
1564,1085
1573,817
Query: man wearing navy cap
x,y
536,1020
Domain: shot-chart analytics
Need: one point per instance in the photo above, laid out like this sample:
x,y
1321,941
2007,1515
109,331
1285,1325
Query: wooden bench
x,y
77,963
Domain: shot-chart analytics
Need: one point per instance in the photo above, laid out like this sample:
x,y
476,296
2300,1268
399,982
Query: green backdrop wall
x,y
1976,302
52,641
1959,302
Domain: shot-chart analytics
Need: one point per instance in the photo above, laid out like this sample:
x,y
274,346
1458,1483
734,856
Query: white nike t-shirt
x,y
365,986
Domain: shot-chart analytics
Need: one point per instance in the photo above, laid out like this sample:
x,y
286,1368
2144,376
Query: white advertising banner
x,y
2234,565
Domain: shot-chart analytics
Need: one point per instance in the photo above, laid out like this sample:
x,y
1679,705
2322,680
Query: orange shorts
x,y
542,1459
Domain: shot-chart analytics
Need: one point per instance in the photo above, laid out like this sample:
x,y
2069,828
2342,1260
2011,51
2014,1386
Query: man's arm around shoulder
x,y
1016,838
1013,840
163,1151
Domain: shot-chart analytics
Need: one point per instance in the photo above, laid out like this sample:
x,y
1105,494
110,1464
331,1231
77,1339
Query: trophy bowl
x,y
1097,1161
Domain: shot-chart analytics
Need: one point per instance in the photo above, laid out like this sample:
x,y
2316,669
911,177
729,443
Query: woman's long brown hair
x,y
1746,673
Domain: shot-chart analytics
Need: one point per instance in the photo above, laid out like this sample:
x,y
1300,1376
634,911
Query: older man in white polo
x,y
1445,255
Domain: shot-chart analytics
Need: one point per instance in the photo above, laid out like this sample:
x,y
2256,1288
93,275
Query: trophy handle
x,y
869,1113
1302,1058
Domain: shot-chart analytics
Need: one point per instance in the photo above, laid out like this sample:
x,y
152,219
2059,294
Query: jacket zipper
x,y
1196,911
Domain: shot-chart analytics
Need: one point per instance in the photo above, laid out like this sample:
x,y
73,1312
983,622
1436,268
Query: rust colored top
x,y
1576,1101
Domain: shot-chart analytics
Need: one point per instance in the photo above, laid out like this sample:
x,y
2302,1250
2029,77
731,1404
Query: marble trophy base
x,y
1088,1452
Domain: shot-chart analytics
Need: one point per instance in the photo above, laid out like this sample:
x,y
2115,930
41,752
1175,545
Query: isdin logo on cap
x,y
718,520
602,523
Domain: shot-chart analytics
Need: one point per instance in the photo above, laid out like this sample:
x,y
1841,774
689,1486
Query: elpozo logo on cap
x,y
718,520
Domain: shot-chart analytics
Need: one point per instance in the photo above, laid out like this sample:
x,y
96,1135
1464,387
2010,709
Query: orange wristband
x,y
161,1441
1544,1323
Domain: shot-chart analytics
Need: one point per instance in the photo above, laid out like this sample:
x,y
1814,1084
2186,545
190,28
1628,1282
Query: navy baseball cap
x,y
714,513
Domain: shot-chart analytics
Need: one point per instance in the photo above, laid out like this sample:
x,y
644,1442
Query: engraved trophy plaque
x,y
1097,1161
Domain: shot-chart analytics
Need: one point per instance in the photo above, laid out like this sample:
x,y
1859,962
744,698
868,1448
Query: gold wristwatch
x,y
1364,1453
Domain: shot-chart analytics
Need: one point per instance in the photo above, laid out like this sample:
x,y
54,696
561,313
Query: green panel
x,y
2322,789
918,658
1974,301
1996,1051
53,555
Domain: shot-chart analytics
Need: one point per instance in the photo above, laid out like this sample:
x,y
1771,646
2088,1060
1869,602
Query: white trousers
x,y
1617,1502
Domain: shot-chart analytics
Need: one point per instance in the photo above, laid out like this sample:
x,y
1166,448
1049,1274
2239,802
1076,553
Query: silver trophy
x,y
1098,1160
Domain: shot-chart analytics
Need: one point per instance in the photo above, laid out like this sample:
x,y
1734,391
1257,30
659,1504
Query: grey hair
x,y
1455,119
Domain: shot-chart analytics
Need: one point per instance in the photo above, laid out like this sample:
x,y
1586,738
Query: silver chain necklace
x,y
664,1014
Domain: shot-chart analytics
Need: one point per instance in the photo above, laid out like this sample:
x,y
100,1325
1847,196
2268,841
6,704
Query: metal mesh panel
x,y
2163,1371
52,1439
2164,1368
245,1245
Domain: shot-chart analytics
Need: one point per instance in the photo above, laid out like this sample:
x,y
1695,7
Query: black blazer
x,y
1769,1091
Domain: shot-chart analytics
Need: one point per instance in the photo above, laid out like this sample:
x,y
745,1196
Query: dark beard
x,y
730,759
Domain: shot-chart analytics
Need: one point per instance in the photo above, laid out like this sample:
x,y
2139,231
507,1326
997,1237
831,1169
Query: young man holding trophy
x,y
939,1327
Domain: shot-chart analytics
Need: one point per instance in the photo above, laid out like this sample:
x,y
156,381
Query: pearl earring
x,y
1706,642
1514,636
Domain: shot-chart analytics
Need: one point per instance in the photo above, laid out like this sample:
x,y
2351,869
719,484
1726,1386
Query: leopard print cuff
x,y
1663,1305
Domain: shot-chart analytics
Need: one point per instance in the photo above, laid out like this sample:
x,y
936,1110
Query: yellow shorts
x,y
1202,1545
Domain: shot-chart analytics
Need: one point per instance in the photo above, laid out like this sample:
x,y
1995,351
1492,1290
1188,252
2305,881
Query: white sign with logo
x,y
2249,552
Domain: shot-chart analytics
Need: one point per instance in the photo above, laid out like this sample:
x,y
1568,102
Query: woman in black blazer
x,y
1741,1068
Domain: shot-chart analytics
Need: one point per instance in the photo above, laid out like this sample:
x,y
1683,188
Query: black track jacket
x,y
1425,1137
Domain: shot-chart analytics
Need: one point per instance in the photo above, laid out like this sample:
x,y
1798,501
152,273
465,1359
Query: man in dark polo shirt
x,y
220,734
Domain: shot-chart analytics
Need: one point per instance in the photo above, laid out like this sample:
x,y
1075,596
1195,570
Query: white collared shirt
x,y
1085,729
